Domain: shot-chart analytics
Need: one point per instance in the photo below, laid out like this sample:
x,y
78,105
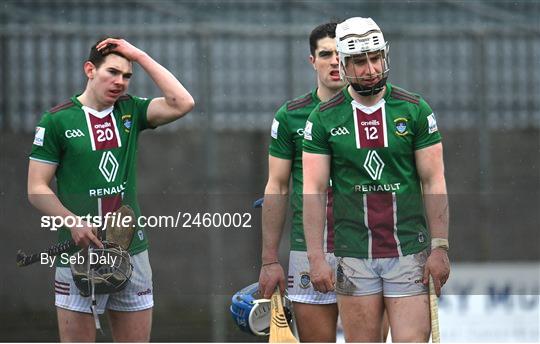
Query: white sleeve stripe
x,y
45,161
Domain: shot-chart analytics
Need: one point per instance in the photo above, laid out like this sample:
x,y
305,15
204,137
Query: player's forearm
x,y
430,168
436,206
45,200
316,168
314,217
273,218
175,94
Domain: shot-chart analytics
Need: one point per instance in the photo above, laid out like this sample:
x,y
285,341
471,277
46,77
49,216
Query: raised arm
x,y
316,175
176,100
273,218
430,167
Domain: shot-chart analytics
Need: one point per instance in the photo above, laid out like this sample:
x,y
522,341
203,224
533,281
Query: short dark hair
x,y
98,57
321,31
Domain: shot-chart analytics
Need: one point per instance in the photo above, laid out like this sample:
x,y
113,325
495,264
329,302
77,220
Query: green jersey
x,y
378,203
286,143
96,157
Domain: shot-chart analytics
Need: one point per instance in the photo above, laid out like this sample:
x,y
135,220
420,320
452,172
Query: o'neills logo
x,y
146,292
372,122
103,125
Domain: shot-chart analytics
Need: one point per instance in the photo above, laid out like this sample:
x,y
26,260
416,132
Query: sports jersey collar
x,y
368,109
94,112
386,93
314,95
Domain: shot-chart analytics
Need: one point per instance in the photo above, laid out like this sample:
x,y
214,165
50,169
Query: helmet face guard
x,y
360,38
252,313
356,81
106,269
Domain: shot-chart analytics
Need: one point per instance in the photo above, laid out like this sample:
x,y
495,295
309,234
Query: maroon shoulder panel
x,y
64,105
401,94
338,99
299,103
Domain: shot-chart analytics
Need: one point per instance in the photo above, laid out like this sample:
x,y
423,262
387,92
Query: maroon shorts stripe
x,y
57,287
61,283
380,207
61,293
290,282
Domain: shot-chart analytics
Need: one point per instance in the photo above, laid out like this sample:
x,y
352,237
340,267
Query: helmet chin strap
x,y
369,91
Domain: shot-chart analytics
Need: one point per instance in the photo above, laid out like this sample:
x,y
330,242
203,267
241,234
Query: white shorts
x,y
394,277
299,286
136,296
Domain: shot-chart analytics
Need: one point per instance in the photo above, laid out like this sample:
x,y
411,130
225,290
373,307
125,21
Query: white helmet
x,y
357,36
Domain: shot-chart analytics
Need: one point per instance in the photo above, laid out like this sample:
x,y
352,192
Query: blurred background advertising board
x,y
491,302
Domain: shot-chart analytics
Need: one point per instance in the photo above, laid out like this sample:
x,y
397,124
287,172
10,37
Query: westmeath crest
x,y
401,126
126,122
305,281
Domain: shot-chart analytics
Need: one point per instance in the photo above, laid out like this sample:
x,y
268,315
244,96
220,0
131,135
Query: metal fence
x,y
488,78
240,73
